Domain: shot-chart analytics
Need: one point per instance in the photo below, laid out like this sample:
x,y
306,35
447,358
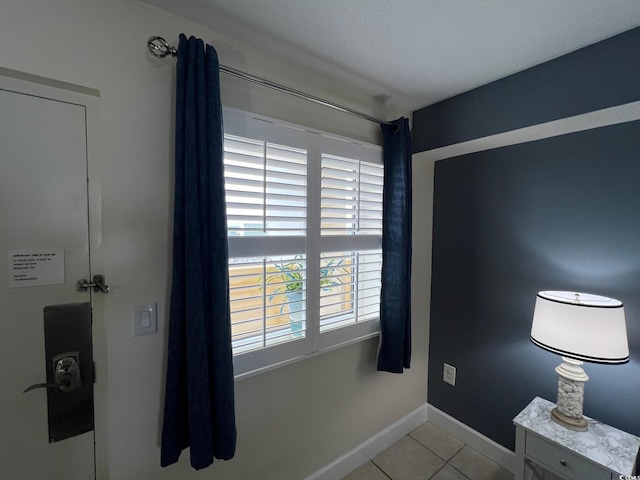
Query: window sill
x,y
257,371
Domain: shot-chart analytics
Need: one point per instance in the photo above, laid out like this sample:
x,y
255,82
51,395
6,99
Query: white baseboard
x,y
364,452
494,451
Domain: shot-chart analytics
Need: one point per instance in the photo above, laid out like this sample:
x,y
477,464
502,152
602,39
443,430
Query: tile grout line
x,y
438,471
383,472
458,471
446,462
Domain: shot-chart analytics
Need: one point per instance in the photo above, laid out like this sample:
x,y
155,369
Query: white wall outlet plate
x,y
449,374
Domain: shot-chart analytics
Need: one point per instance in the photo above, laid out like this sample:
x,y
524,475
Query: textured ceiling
x,y
416,52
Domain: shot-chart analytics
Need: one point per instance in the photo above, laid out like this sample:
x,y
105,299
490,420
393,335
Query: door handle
x,y
43,385
66,374
97,284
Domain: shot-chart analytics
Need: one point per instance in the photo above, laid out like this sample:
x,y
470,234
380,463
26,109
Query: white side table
x,y
600,453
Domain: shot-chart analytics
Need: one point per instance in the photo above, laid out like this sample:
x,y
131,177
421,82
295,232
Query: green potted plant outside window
x,y
290,276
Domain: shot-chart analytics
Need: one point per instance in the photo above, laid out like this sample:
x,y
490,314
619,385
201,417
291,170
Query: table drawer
x,y
563,461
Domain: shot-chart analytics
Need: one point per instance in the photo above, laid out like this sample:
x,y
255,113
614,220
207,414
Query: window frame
x,y
316,143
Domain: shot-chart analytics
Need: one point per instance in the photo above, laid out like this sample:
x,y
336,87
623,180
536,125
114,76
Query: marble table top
x,y
602,444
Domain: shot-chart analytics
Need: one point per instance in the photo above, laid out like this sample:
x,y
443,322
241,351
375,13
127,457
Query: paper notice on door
x,y
36,267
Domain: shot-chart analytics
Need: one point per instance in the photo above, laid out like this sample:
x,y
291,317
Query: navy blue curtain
x,y
199,407
395,298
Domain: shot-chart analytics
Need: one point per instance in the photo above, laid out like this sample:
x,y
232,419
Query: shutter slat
x,y
332,202
340,162
340,213
243,158
339,184
237,184
278,165
329,193
243,170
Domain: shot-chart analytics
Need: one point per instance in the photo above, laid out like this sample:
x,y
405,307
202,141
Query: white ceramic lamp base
x,y
568,410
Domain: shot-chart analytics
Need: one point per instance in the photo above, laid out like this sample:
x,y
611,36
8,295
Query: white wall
x,y
291,421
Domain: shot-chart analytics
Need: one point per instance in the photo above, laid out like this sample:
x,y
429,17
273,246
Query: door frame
x,y
88,98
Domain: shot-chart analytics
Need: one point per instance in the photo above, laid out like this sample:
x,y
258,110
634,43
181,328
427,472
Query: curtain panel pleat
x,y
199,407
395,297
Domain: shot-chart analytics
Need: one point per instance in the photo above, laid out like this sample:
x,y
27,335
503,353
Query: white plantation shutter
x,y
371,183
369,284
304,218
244,184
351,197
351,291
262,312
266,193
266,187
351,219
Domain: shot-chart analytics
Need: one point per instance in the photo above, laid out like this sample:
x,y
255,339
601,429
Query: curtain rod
x,y
159,47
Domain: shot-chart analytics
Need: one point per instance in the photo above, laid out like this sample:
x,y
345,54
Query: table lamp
x,y
580,327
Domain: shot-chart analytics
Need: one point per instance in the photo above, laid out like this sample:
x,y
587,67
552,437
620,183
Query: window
x,y
304,217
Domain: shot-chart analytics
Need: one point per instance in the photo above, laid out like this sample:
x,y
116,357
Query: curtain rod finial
x,y
159,47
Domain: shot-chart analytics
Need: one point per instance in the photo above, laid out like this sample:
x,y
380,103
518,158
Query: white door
x,y
44,220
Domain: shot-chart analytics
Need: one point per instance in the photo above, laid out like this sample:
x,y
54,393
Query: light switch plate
x,y
145,319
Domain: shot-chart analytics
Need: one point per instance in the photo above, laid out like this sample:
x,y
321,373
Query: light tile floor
x,y
428,452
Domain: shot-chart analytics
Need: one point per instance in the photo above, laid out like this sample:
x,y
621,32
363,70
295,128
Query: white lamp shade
x,y
586,327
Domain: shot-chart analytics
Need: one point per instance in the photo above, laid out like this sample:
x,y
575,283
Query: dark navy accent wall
x,y
561,213
557,214
595,77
